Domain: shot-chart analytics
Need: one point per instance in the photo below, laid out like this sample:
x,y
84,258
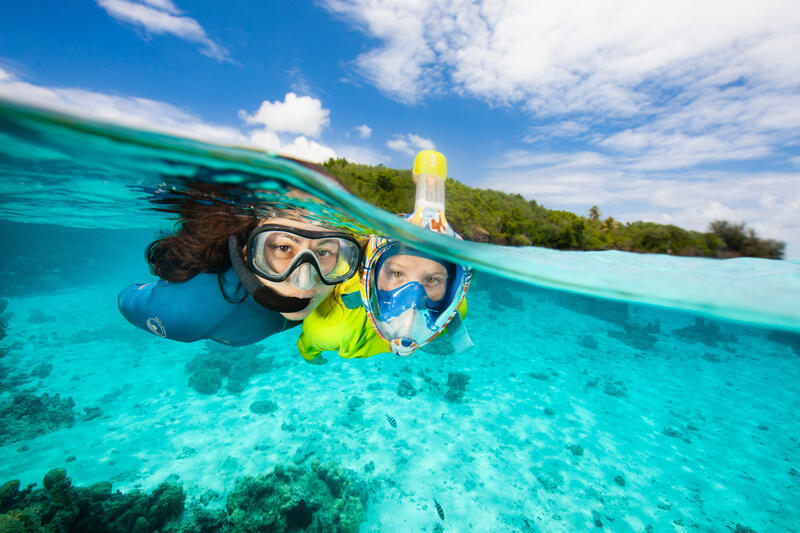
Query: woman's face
x,y
284,249
401,269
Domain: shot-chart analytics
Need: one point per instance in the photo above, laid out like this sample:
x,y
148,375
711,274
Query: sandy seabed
x,y
567,422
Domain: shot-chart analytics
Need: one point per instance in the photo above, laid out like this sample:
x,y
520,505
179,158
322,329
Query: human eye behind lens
x,y
282,248
326,252
396,274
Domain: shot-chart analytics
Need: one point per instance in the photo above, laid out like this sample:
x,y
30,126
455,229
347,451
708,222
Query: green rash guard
x,y
341,327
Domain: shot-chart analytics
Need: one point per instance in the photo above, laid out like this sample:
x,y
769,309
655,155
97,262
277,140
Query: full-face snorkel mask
x,y
410,314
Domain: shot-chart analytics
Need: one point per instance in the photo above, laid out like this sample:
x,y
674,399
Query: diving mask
x,y
412,312
304,257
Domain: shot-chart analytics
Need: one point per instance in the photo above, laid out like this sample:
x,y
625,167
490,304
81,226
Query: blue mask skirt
x,y
392,304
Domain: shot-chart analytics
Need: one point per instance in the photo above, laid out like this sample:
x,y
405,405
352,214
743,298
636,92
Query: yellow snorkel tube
x,y
429,174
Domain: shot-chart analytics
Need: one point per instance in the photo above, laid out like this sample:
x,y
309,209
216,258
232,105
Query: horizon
x,y
672,114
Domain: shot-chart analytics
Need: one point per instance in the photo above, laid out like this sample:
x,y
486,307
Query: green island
x,y
486,215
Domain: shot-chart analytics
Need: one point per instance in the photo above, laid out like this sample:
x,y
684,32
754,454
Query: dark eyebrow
x,y
290,236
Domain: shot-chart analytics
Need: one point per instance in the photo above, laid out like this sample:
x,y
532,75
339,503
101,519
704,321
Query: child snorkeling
x,y
404,297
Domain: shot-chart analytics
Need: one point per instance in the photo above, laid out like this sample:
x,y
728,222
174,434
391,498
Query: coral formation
x,y
587,341
27,415
206,380
703,332
324,499
712,357
549,475
60,507
405,389
456,385
639,336
575,449
233,365
355,403
42,370
671,432
787,338
616,389
263,407
306,450
3,318
607,310
441,345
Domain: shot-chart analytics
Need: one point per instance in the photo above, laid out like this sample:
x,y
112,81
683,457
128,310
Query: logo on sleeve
x,y
156,327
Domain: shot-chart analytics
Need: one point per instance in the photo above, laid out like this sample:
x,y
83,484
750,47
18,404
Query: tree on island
x,y
486,215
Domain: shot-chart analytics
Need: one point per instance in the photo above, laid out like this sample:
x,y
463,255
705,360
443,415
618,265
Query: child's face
x,y
401,269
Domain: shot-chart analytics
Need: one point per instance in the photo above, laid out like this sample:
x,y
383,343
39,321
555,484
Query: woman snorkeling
x,y
408,296
236,278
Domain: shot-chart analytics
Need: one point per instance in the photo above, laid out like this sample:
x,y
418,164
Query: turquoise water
x,y
671,404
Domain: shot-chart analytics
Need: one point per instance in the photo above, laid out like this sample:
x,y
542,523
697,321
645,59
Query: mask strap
x,y
262,294
458,335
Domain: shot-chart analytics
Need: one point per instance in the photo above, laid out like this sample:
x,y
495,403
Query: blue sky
x,y
675,112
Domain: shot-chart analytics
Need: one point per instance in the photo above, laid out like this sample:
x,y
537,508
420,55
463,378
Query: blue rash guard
x,y
197,309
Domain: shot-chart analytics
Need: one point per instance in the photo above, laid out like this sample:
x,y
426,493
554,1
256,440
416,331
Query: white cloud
x,y
304,148
296,114
362,155
410,143
302,115
299,147
160,17
767,201
153,115
125,110
556,58
364,131
164,5
566,128
657,95
713,80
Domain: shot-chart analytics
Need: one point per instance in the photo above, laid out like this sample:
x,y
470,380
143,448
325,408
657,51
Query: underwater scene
x,y
604,391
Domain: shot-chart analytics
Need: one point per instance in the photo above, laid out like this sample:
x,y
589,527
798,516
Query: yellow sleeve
x,y
305,346
334,327
319,331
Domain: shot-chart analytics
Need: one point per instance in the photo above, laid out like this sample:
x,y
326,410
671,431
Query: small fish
x,y
439,509
391,420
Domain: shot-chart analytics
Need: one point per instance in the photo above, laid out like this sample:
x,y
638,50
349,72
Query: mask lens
x,y
275,254
411,295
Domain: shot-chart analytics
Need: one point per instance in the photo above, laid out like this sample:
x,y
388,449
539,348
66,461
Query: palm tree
x,y
609,224
594,213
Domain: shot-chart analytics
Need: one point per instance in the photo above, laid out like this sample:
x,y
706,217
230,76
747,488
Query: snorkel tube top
x,y
208,306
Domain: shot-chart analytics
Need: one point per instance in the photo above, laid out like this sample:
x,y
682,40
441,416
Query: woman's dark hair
x,y
206,222
201,242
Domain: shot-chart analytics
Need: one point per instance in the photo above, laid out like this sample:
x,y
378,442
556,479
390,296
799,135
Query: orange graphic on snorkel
x,y
439,224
